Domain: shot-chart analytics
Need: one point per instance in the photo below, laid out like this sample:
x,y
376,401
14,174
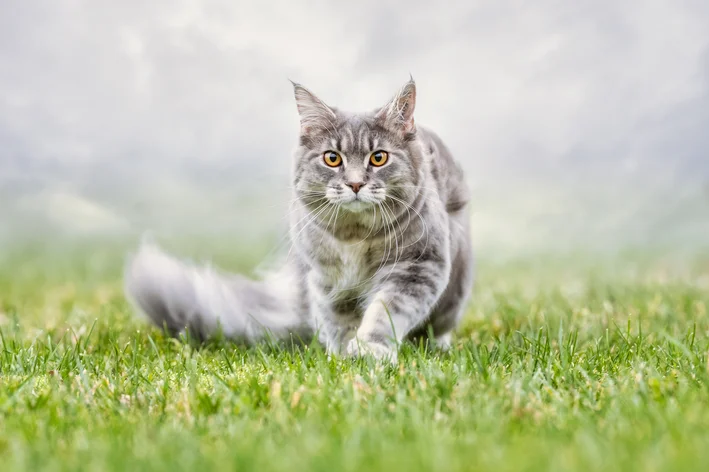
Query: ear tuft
x,y
398,114
314,113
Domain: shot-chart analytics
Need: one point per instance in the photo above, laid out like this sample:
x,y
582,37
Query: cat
x,y
381,248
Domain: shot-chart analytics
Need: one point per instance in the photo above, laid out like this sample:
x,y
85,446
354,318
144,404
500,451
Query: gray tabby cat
x,y
381,248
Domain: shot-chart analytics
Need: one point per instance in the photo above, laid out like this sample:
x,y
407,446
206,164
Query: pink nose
x,y
355,186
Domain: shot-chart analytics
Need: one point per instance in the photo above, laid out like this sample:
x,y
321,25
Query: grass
x,y
570,364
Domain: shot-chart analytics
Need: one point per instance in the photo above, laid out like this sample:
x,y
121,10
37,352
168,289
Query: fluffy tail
x,y
180,296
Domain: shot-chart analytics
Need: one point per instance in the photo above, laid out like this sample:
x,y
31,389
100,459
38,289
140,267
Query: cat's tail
x,y
178,295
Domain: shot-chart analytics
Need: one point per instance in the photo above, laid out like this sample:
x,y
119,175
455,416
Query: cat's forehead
x,y
357,132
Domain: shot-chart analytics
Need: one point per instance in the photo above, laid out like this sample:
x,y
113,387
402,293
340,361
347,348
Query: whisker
x,y
310,221
382,262
284,239
397,254
423,223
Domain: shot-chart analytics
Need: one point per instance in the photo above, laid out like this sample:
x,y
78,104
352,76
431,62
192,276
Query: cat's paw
x,y
359,348
444,342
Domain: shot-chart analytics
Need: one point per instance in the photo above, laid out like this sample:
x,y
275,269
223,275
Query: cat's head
x,y
357,162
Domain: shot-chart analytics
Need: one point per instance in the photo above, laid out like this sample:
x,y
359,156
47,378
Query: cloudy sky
x,y
134,91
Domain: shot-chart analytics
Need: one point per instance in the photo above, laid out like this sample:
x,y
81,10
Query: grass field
x,y
576,363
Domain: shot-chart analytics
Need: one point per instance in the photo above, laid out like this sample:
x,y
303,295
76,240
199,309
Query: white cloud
x,y
175,81
102,91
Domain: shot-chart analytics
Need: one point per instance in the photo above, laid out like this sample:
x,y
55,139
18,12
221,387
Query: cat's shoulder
x,y
445,170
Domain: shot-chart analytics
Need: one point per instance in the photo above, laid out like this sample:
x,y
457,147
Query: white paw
x,y
359,348
444,342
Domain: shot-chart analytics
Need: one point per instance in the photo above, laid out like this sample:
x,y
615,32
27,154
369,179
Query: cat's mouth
x,y
355,202
356,205
359,202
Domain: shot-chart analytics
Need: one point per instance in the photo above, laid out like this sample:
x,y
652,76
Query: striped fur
x,y
366,270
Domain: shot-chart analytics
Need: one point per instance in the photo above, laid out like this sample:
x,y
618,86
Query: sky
x,y
153,98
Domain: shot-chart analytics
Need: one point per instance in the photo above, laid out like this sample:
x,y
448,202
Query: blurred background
x,y
583,126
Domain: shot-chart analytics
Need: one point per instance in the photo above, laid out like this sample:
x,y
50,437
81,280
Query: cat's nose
x,y
355,186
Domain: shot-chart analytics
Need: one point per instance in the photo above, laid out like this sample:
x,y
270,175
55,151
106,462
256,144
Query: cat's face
x,y
357,162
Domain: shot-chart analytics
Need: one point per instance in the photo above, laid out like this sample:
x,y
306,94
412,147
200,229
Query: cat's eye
x,y
378,158
332,158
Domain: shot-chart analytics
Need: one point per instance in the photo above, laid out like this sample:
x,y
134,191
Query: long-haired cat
x,y
381,248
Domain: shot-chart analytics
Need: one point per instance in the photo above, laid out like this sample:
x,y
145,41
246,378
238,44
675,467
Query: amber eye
x,y
332,158
379,158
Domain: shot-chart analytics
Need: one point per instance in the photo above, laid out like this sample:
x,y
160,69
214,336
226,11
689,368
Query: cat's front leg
x,y
335,329
404,300
334,334
332,331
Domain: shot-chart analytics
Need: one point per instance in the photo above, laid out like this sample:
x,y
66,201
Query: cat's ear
x,y
314,113
398,114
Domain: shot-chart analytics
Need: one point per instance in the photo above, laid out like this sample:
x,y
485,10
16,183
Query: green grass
x,y
572,364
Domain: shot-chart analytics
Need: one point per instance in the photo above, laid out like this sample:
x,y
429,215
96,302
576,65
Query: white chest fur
x,y
351,270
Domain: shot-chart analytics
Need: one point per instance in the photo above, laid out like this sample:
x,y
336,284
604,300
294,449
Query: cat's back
x,y
446,172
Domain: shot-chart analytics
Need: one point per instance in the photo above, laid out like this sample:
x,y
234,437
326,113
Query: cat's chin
x,y
356,206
